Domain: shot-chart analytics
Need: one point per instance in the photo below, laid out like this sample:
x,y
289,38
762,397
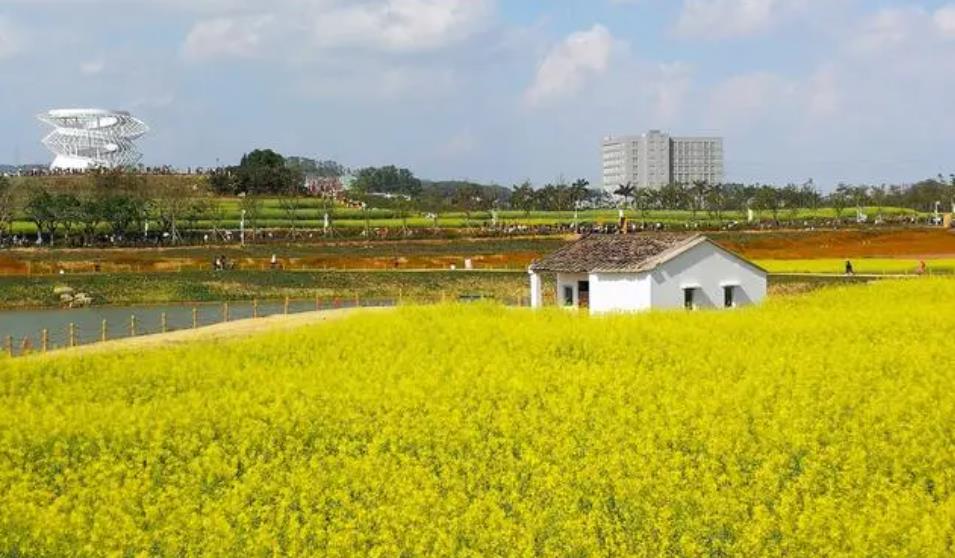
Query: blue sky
x,y
498,90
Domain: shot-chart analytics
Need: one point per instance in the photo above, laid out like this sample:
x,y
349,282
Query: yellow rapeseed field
x,y
821,425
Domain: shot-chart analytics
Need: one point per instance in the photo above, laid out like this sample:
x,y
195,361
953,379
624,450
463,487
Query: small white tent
x,y
630,273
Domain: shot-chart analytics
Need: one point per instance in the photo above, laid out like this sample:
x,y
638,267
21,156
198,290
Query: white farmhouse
x,y
632,273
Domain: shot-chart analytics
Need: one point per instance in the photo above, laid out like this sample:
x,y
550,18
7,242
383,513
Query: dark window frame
x,y
568,296
689,298
729,296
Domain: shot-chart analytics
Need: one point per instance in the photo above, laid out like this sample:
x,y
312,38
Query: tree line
x,y
116,202
715,199
111,203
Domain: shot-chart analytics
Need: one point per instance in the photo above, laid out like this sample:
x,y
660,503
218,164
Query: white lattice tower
x,y
91,138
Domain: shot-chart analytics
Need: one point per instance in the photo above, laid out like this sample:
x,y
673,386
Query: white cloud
x,y
888,29
944,19
390,26
92,67
824,95
725,18
458,146
158,101
746,99
887,75
568,65
756,99
10,38
400,25
720,19
241,37
671,88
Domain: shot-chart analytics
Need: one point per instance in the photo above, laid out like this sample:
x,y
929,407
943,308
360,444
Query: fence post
x,y
285,309
255,308
103,336
44,340
195,317
318,305
357,301
225,311
72,335
400,296
443,298
8,343
132,326
162,320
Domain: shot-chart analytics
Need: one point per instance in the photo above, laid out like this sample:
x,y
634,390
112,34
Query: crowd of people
x,y
165,170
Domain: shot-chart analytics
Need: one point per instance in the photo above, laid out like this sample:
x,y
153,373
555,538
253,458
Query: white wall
x,y
619,292
708,267
570,280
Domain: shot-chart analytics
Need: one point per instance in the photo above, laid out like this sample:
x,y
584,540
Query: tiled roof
x,y
626,253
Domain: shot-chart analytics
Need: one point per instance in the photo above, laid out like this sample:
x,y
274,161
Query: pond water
x,y
23,328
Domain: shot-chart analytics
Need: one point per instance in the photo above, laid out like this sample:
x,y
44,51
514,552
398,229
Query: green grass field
x,y
311,216
875,266
816,425
309,212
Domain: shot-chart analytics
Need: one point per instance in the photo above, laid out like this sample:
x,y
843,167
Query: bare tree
x,y
216,214
290,201
252,205
171,201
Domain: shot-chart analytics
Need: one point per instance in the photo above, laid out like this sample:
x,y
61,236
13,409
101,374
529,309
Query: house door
x,y
583,294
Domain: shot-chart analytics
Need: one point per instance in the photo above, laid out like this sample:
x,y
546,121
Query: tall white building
x,y
655,159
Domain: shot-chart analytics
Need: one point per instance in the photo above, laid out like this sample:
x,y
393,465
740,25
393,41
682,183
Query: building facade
x,y
655,159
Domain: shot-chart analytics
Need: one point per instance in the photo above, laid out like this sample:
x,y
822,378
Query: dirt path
x,y
217,332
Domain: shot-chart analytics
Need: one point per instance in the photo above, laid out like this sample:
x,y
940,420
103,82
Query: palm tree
x,y
579,190
625,191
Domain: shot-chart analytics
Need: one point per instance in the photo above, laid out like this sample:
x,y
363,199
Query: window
x,y
729,296
568,295
583,294
689,298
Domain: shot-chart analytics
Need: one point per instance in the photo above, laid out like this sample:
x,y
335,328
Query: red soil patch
x,y
782,245
907,243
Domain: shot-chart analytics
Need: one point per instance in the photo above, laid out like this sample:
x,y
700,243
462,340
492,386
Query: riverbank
x,y
408,254
214,333
328,288
225,286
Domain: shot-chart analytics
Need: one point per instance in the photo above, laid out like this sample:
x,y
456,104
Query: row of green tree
x,y
265,172
927,195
